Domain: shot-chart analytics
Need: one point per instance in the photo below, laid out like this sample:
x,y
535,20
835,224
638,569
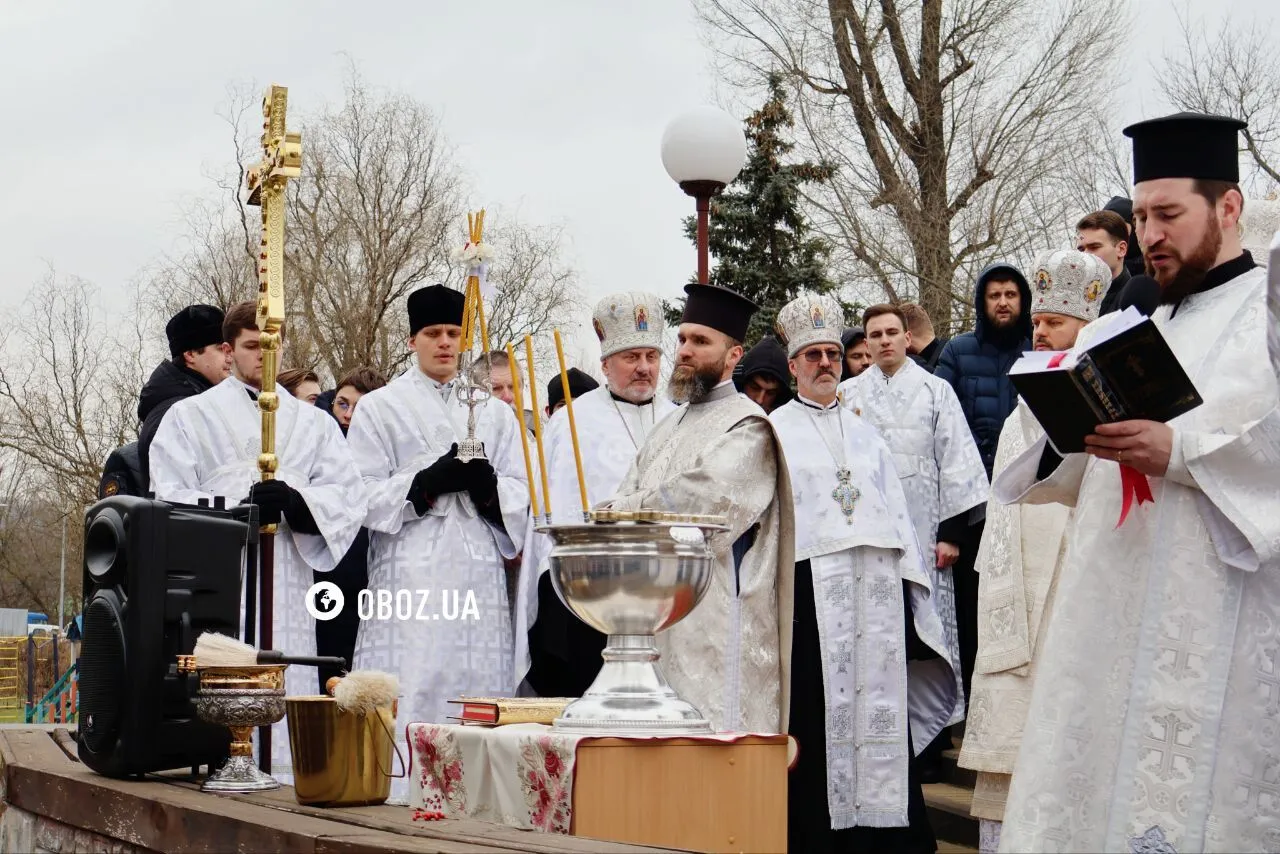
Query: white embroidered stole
x,y
1004,633
1172,661
858,598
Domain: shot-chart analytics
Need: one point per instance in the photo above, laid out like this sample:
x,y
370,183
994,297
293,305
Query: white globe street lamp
x,y
703,151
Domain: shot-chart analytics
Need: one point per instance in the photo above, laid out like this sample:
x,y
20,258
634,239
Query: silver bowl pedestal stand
x,y
630,576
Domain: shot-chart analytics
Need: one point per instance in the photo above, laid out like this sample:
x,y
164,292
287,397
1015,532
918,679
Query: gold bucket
x,y
340,758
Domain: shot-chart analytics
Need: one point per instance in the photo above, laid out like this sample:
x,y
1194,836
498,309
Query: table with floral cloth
x,y
520,775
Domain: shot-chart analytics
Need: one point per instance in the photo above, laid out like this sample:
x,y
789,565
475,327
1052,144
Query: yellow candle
x,y
537,426
524,432
464,346
484,330
573,429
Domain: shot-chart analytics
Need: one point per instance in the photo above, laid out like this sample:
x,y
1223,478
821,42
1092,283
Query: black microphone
x,y
1143,293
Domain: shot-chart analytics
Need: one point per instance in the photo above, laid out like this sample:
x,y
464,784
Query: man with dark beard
x,y
1151,725
977,366
719,455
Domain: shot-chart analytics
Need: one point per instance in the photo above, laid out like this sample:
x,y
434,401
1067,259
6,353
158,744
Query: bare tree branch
x,y
63,413
376,214
1231,70
952,125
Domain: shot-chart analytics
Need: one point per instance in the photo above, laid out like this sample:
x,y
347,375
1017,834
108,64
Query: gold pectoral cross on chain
x,y
845,494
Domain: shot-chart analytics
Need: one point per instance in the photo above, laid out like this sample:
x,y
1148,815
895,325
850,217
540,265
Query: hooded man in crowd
x,y
763,374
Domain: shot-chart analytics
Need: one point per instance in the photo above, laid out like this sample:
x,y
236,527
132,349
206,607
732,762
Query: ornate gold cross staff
x,y
281,160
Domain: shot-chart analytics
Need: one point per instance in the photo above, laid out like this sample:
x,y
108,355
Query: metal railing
x,y
60,703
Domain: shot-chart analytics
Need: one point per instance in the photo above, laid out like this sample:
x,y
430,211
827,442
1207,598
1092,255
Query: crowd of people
x,y
906,553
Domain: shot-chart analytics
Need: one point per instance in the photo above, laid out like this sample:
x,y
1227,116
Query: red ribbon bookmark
x,y
1133,483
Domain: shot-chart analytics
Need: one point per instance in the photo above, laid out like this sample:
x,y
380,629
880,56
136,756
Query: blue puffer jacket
x,y
976,364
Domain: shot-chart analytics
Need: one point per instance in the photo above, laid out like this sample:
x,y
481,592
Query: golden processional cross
x,y
281,160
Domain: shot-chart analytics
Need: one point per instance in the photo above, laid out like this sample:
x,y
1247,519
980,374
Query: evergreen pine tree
x,y
761,241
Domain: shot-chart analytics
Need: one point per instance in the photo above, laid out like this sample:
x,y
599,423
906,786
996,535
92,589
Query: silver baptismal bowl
x,y
630,576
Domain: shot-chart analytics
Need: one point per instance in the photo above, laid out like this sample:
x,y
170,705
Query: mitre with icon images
x,y
809,319
1069,282
628,321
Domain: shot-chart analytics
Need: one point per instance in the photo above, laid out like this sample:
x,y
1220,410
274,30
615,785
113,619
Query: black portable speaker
x,y
156,575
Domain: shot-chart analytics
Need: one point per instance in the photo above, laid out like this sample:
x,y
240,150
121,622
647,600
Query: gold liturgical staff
x,y
281,160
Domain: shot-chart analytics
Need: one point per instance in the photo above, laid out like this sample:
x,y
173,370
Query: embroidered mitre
x,y
809,319
627,321
1069,282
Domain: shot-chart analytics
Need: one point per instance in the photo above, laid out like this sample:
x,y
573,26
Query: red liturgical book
x,y
496,711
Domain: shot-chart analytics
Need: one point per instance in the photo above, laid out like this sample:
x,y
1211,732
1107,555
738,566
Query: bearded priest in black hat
x,y
718,454
438,524
1153,720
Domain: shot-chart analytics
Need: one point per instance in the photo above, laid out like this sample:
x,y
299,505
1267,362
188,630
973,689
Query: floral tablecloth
x,y
519,774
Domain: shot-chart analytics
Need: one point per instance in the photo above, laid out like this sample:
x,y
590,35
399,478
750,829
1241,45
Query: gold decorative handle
x,y
657,517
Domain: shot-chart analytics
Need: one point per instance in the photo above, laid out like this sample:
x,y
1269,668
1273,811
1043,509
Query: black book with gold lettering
x,y
1125,371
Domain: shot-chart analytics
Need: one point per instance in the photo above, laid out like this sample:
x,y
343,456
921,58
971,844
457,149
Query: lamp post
x,y
703,151
62,572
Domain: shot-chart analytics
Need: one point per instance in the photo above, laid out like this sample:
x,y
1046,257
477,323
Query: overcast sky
x,y
555,107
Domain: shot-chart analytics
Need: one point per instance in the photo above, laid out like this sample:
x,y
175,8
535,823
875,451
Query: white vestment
x,y
208,446
610,433
1022,548
941,470
1155,715
731,657
858,565
441,652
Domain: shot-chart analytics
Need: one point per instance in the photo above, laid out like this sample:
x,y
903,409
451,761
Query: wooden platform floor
x,y
40,774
